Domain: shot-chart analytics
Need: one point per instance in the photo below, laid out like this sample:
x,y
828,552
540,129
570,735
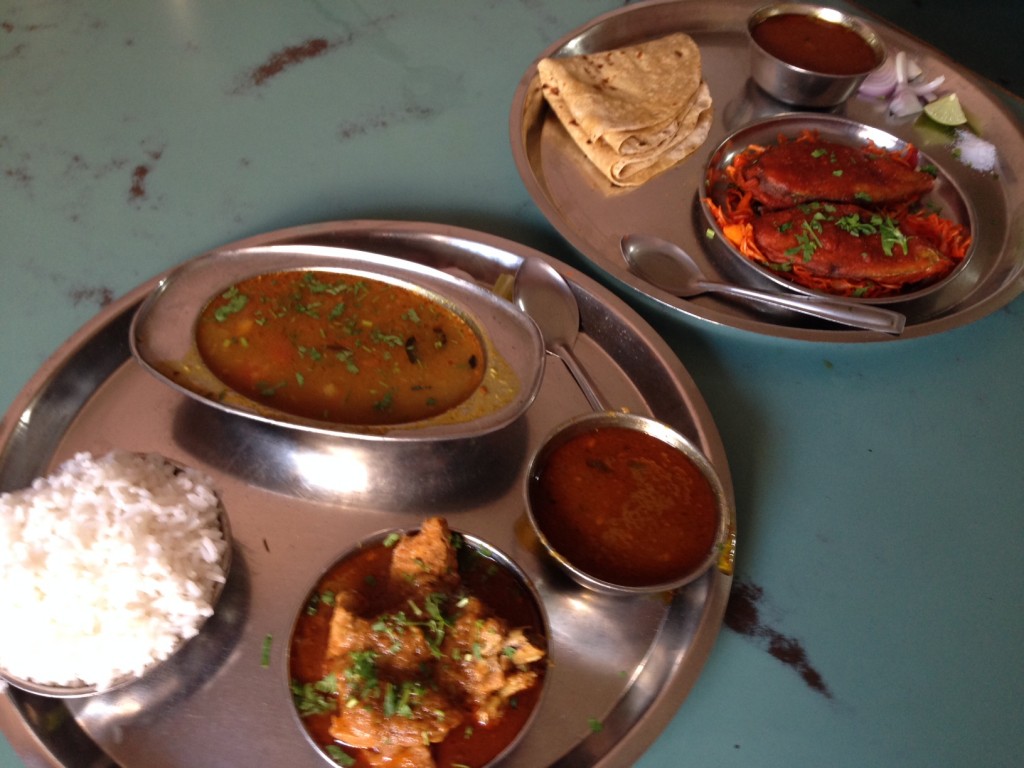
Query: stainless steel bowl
x,y
918,302
801,87
162,339
592,421
478,564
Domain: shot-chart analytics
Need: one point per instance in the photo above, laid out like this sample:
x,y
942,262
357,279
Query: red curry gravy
x,y
625,507
814,44
340,348
366,573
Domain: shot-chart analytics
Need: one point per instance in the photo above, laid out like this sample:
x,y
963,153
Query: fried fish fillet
x,y
847,242
794,172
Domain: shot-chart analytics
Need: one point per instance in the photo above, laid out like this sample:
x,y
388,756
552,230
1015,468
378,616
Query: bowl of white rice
x,y
108,566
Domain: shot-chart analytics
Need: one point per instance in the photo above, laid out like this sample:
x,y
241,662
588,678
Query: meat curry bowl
x,y
342,342
626,504
418,648
826,206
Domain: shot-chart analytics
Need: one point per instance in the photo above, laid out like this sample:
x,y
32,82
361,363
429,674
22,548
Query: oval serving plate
x,y
945,198
162,338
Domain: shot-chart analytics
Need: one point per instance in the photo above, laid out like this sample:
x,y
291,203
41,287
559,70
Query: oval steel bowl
x,y
162,338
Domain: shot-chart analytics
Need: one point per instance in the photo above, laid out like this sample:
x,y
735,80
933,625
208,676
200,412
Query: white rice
x,y
106,567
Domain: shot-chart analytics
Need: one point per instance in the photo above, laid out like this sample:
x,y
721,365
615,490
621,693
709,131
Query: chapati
x,y
633,111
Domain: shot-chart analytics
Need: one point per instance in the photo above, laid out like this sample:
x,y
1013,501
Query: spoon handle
x,y
567,356
843,312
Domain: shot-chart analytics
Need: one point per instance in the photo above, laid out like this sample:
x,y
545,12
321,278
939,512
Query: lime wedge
x,y
946,110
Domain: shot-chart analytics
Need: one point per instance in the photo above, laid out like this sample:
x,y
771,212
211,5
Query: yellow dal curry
x,y
341,348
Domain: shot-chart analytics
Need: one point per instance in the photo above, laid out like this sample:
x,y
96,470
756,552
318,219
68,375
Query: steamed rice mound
x,y
106,567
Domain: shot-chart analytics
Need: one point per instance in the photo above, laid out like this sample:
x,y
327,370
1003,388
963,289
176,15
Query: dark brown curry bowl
x,y
626,504
810,55
166,658
314,383
399,634
917,300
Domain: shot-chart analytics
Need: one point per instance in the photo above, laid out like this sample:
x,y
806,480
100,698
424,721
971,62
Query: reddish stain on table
x,y
743,616
101,295
140,173
288,57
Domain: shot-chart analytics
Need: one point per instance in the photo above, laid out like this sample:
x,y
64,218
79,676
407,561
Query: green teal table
x,y
876,615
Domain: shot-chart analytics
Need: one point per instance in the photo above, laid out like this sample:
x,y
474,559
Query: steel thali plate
x,y
626,662
593,216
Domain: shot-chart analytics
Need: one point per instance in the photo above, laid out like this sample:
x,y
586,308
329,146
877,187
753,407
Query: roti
x,y
633,111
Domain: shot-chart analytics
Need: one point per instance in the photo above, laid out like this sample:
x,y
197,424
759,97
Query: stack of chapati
x,y
634,111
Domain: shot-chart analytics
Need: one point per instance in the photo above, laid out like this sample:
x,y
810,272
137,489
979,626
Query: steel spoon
x,y
667,266
544,295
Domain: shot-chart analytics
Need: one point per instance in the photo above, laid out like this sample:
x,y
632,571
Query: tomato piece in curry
x,y
341,348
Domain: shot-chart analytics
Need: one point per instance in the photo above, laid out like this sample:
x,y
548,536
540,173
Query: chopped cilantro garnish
x,y
315,698
385,402
339,756
891,236
266,389
268,642
236,302
807,242
855,225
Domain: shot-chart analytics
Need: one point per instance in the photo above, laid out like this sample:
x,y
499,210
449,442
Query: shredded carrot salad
x,y
738,211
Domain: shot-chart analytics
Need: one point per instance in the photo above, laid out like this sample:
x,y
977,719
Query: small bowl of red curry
x,y
811,56
626,504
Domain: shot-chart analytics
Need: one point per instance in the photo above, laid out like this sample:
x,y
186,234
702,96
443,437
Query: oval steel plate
x,y
298,499
593,216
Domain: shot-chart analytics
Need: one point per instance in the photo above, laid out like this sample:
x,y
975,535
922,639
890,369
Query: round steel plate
x,y
224,701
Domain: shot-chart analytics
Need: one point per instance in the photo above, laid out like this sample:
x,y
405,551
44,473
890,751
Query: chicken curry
x,y
416,652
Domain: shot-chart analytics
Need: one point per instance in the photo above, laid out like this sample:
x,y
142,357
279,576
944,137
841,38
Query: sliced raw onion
x,y
895,80
927,90
882,82
904,101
